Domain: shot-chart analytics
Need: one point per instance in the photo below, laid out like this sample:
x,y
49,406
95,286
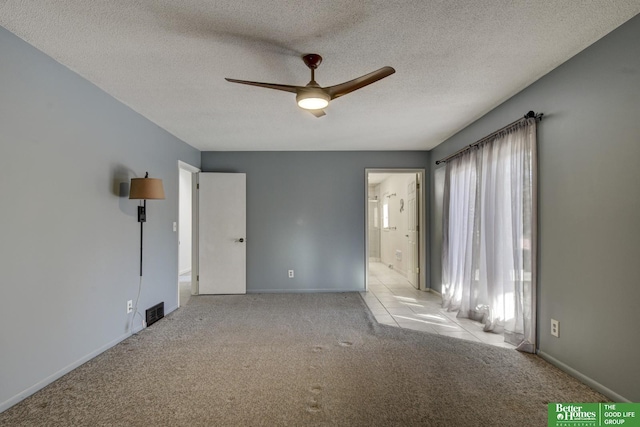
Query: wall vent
x,y
155,313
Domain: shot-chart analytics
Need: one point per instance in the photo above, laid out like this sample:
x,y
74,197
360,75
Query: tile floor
x,y
394,301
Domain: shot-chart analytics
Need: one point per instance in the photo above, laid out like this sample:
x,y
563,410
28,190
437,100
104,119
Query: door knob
x,y
241,240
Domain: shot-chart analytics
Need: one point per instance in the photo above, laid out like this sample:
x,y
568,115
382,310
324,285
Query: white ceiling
x,y
375,178
454,61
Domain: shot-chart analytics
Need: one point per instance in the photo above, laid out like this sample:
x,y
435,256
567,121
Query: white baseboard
x,y
585,379
51,378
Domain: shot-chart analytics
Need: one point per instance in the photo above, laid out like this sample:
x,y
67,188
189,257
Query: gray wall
x,y
70,244
306,212
589,229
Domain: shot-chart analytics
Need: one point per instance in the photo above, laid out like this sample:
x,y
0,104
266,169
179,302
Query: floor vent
x,y
155,313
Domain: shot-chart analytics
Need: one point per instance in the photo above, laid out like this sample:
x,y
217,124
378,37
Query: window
x,y
489,235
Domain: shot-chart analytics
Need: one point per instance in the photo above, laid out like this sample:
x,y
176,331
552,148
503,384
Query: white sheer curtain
x,y
489,235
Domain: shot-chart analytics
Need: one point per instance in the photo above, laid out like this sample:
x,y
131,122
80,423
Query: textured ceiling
x,y
454,61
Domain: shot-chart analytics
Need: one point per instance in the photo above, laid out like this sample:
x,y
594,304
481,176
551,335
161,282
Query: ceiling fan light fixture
x,y
312,100
315,98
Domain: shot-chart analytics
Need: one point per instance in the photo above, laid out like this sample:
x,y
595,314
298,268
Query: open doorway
x,y
187,227
395,226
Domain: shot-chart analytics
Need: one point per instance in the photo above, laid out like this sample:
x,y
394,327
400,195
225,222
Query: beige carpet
x,y
298,360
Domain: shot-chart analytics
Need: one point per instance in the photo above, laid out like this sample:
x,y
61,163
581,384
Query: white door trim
x,y
194,226
422,233
187,167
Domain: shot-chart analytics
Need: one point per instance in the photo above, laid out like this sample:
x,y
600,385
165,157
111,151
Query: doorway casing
x,y
422,234
194,227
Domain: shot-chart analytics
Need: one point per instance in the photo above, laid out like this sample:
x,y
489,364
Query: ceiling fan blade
x,y
355,84
317,113
286,88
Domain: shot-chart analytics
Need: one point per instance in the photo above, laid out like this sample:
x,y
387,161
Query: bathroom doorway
x,y
395,237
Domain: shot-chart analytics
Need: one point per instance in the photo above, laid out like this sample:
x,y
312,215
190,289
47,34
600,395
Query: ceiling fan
x,y
314,98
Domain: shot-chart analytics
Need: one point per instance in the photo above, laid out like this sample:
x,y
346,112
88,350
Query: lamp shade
x,y
146,188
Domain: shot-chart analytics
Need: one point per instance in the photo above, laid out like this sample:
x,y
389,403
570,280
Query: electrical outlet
x,y
555,328
129,306
290,274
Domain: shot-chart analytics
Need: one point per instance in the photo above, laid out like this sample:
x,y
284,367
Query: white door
x,y
413,227
222,233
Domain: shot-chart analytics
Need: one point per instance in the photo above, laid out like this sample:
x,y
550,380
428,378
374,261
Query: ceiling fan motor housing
x,y
312,60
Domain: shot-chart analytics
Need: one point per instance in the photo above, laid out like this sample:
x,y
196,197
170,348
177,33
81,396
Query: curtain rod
x,y
529,115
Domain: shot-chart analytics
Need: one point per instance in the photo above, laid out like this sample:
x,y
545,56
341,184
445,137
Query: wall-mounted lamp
x,y
145,189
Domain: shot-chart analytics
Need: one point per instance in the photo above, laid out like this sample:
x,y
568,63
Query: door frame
x,y
422,232
194,227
